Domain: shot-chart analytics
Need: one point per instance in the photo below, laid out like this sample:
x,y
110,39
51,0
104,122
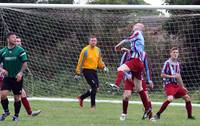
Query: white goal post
x,y
54,34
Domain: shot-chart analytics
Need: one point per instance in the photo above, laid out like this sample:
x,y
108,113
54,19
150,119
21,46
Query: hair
x,y
138,26
9,34
91,36
173,48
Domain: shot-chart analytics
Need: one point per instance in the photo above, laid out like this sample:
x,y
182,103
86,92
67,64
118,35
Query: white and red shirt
x,y
170,68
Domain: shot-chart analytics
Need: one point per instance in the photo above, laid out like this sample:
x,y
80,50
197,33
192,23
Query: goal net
x,y
54,37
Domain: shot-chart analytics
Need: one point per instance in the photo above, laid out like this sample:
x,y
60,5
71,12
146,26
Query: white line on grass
x,y
100,101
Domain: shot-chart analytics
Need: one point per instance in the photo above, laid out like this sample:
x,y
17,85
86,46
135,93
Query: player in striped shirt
x,y
129,85
135,64
173,84
90,59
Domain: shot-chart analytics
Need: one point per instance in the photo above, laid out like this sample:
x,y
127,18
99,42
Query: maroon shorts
x,y
129,85
175,90
137,66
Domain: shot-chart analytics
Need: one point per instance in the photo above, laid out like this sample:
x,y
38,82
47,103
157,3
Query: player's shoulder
x,y
167,61
138,32
3,49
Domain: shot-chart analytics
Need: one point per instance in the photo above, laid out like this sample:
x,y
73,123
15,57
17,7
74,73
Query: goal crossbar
x,y
86,6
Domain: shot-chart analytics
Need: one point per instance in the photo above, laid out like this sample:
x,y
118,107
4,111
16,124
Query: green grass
x,y
106,114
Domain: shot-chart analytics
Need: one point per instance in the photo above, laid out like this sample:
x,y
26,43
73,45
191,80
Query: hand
x,y
77,77
105,69
117,48
151,84
177,76
19,76
4,72
98,89
185,89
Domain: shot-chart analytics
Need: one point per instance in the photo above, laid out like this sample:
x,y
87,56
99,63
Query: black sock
x,y
86,94
93,97
17,106
4,104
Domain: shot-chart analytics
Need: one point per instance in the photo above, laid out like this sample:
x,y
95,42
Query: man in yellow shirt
x,y
89,60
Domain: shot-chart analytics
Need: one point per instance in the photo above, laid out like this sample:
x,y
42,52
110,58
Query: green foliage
x,y
178,2
60,2
18,1
117,2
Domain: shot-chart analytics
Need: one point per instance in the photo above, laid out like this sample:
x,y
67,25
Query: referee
x,y
14,61
90,59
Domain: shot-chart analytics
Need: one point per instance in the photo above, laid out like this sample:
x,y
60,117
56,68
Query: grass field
x,y
106,114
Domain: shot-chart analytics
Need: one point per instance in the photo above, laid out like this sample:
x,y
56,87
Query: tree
x,y
117,2
182,2
18,1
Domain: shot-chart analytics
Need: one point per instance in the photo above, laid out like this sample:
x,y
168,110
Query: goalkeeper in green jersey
x,y
14,61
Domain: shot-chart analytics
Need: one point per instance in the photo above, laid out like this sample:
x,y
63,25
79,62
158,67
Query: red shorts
x,y
175,90
137,66
128,85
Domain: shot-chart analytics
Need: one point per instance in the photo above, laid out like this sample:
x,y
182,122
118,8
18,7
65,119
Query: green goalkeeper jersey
x,y
13,59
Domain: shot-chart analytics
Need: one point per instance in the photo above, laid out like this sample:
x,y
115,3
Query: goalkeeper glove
x,y
105,69
77,77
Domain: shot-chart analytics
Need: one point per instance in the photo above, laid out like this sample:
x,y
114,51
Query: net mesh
x,y
53,39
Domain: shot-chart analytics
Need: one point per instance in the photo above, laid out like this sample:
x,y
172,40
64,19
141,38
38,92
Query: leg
x,y
17,104
126,97
164,106
25,102
4,103
4,100
144,86
143,96
120,74
188,105
92,80
150,105
182,92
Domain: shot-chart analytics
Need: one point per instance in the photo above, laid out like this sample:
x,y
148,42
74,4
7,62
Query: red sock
x,y
188,106
125,106
26,105
120,75
144,99
164,106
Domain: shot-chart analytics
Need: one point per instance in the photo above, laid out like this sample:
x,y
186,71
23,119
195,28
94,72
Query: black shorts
x,y
11,84
91,78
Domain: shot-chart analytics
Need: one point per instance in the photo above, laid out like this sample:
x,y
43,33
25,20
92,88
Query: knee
x,y
126,95
170,98
17,98
93,90
187,98
23,94
120,68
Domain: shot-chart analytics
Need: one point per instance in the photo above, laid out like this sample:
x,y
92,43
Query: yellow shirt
x,y
90,58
